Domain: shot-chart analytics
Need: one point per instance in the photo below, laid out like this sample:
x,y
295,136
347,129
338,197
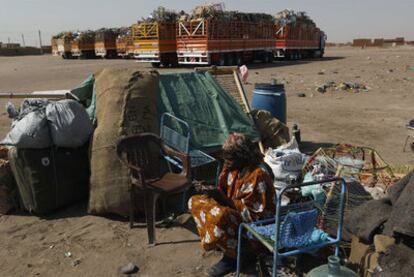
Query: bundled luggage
x,y
126,104
48,155
50,178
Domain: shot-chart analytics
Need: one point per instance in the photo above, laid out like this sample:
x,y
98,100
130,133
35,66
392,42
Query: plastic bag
x,y
69,123
286,163
31,131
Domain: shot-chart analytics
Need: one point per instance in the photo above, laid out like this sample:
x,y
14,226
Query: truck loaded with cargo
x,y
105,43
208,36
297,36
61,44
124,43
154,38
213,36
83,46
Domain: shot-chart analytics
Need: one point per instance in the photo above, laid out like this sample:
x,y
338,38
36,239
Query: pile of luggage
x,y
55,156
47,154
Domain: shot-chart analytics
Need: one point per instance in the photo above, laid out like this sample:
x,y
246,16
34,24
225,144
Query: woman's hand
x,y
221,198
203,187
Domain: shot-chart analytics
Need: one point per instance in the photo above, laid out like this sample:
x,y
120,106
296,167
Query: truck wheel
x,y
222,60
239,59
231,59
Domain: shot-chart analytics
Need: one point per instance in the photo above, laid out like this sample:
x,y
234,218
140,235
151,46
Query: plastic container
x,y
332,269
272,98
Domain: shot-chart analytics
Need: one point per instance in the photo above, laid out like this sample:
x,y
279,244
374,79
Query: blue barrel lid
x,y
269,87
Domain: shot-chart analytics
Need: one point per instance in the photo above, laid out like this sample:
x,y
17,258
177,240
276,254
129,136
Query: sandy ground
x,y
376,118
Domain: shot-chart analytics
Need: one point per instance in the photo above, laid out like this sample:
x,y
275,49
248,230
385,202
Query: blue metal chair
x,y
288,233
176,133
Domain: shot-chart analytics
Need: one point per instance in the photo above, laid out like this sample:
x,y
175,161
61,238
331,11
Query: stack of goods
x,y
64,34
161,14
290,17
215,11
49,157
103,33
85,35
124,32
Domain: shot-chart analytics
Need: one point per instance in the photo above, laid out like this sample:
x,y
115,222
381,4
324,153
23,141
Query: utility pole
x,y
40,43
24,43
8,40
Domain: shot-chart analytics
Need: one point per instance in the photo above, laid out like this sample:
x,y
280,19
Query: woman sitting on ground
x,y
245,194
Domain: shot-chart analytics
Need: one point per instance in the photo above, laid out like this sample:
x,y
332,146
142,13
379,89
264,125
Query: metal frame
x,y
277,220
194,153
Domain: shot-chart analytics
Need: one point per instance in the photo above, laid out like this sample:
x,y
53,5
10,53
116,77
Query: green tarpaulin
x,y
196,98
199,100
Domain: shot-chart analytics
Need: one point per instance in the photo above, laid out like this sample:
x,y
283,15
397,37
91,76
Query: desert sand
x,y
98,246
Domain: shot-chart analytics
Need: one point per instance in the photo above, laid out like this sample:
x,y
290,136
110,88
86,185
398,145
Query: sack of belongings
x,y
29,128
286,163
126,104
69,123
40,124
50,178
273,132
8,191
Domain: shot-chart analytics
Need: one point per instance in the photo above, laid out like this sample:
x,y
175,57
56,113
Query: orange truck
x,y
155,43
297,41
224,42
61,45
124,43
105,43
83,46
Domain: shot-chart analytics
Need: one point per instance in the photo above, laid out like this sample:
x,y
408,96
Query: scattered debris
x,y
321,73
301,94
347,86
76,262
68,254
129,269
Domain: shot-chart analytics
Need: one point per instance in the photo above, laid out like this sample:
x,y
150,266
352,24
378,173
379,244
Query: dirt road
x,y
376,118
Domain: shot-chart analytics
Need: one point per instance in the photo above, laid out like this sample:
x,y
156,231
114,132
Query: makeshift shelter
x,y
198,99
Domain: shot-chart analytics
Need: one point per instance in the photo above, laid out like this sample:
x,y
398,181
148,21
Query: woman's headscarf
x,y
239,151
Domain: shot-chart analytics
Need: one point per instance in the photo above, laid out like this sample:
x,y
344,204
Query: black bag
x,y
50,178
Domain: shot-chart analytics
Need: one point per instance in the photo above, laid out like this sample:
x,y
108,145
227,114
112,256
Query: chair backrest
x,y
175,132
142,155
297,227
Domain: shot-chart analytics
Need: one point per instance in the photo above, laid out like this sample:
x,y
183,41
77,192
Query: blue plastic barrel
x,y
272,98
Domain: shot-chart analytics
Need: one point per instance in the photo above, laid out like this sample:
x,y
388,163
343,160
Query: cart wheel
x,y
155,65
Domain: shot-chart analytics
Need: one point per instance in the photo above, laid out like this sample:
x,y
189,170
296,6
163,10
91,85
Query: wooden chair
x,y
141,154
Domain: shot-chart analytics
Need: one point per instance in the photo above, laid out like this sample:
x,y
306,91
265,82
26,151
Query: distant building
x,y
378,42
10,45
362,42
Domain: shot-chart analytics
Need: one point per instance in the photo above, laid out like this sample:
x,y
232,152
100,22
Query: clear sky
x,y
342,20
